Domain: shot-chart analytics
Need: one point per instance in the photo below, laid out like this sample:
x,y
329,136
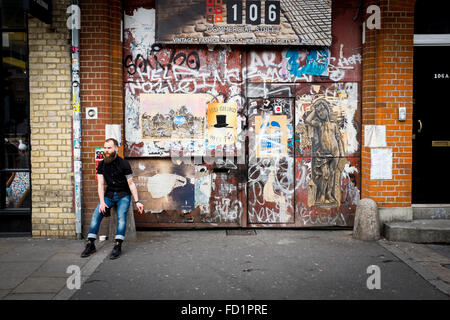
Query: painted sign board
x,y
268,22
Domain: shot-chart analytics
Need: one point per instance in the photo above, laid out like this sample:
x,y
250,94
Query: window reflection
x,y
18,190
15,107
12,14
15,175
17,153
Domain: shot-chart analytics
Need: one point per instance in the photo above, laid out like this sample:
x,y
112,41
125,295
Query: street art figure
x,y
327,151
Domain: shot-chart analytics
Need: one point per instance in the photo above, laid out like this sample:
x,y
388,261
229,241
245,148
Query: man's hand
x,y
103,207
140,207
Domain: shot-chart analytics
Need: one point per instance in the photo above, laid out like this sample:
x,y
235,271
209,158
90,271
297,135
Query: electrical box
x,y
91,113
402,113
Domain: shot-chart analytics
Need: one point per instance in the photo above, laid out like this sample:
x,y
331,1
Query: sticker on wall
x,y
271,136
222,124
203,186
98,159
172,117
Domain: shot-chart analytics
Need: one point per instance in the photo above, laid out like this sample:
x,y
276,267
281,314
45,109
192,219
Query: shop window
x,y
15,192
12,14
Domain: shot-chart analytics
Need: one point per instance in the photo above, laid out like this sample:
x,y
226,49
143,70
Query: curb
x,y
417,267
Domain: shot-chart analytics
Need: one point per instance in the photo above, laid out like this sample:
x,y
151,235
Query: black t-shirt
x,y
115,176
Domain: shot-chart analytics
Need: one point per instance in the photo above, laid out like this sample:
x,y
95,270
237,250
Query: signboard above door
x,y
262,22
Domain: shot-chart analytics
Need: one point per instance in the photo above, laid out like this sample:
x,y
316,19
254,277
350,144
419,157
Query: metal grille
x,y
241,232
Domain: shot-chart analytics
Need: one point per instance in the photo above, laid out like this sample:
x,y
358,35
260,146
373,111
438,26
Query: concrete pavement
x,y
36,269
208,264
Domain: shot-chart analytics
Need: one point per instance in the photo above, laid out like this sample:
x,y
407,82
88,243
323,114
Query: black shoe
x,y
115,253
90,249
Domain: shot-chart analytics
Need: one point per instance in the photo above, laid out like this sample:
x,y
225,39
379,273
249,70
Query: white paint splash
x,y
141,25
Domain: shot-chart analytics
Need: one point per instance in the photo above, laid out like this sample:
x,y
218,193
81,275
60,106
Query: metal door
x,y
327,135
431,136
271,161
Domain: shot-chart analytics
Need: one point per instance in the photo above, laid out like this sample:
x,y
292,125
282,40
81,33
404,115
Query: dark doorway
x,y
431,129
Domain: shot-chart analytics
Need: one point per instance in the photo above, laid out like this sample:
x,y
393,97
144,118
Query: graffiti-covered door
x,y
183,113
327,119
271,161
280,124
303,157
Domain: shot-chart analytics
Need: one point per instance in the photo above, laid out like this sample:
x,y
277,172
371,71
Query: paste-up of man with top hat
x,y
222,124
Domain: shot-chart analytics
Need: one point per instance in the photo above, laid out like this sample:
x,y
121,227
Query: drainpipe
x,y
74,25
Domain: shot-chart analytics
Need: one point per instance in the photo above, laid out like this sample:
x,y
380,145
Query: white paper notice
x,y
381,164
113,131
374,136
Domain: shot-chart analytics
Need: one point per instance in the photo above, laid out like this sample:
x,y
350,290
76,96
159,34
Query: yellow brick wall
x,y
53,212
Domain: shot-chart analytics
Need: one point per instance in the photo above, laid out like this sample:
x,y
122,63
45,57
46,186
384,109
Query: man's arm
x,y
101,192
134,192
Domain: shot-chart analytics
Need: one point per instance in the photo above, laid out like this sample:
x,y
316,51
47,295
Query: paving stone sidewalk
x,y
36,269
208,264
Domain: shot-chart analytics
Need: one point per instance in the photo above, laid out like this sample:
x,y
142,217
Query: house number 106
x,y
253,12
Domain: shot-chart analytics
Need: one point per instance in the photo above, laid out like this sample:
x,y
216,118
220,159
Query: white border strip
x,y
432,40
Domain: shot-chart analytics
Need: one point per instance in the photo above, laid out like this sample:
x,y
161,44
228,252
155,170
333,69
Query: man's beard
x,y
109,158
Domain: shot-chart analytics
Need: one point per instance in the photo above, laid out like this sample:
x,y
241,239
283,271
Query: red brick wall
x,y
388,85
101,87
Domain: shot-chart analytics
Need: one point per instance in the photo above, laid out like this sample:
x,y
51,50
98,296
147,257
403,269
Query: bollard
x,y
367,221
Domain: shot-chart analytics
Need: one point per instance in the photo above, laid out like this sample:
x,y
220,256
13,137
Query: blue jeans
x,y
123,204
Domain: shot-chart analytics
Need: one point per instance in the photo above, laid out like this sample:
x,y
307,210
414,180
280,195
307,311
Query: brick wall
x,y
51,124
101,87
388,85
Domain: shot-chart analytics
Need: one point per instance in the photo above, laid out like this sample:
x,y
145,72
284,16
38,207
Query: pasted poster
x,y
327,120
308,61
279,22
381,164
172,117
271,136
222,124
374,136
164,185
98,159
